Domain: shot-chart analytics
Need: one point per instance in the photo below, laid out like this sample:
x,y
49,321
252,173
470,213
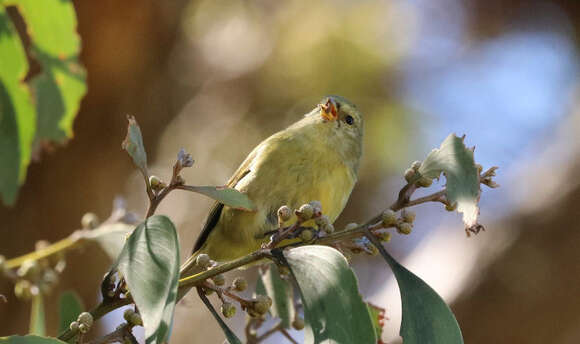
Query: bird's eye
x,y
349,120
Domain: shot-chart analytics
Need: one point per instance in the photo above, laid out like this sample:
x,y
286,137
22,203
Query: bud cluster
x,y
412,175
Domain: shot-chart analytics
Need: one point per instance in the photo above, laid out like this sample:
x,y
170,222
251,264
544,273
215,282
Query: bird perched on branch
x,y
316,158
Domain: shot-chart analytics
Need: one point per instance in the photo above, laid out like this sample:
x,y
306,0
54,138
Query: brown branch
x,y
119,335
288,336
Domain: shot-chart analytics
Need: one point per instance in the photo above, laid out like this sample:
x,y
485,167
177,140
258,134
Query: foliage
x,y
36,109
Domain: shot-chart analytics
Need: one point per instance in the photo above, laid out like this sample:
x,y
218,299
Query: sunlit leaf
x,y
133,144
70,306
228,196
231,337
37,317
149,262
455,161
17,116
426,317
281,294
30,339
333,308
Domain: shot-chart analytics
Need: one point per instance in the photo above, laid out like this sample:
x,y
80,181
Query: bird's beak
x,y
329,110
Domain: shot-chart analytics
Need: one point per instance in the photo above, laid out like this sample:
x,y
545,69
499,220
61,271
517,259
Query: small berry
x,y
298,323
306,235
74,326
284,213
262,304
83,328
389,218
240,284
384,236
228,310
23,289
135,319
451,207
89,221
404,228
219,280
85,318
203,261
425,182
409,174
128,314
317,206
408,216
305,212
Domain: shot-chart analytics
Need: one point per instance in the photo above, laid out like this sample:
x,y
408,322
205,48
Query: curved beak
x,y
329,110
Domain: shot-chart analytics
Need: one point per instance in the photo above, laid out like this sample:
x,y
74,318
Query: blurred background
x,y
216,78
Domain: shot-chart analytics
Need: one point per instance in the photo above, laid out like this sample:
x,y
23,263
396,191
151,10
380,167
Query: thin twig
x,y
288,336
279,326
117,336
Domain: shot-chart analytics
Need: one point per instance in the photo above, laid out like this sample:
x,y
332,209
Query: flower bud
x,y
262,304
389,218
351,226
416,165
219,280
298,323
30,269
404,228
284,213
328,228
408,216
425,182
409,174
321,221
384,236
74,326
85,318
451,207
89,221
154,182
228,310
305,212
306,235
83,328
128,314
203,261
239,284
317,206
135,319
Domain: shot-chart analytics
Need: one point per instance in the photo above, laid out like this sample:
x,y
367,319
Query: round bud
x,y
154,182
262,304
451,207
240,284
317,206
384,236
284,213
305,212
306,235
389,218
228,310
85,318
425,182
219,280
29,269
351,226
408,216
298,323
329,228
135,319
409,174
74,326
23,289
416,165
372,249
128,314
404,228
203,261
89,221
321,221
83,328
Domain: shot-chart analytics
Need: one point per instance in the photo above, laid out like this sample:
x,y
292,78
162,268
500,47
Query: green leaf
x,y
37,317
61,84
70,306
149,262
230,335
133,144
281,294
228,196
17,116
333,307
456,161
44,109
111,237
29,339
426,317
377,316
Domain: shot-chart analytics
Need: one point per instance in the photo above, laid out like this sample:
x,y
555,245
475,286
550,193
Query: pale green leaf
x,y
231,337
455,161
133,144
280,292
70,306
333,308
228,196
29,339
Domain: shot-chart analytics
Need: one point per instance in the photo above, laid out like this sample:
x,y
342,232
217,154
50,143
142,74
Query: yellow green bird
x,y
316,158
